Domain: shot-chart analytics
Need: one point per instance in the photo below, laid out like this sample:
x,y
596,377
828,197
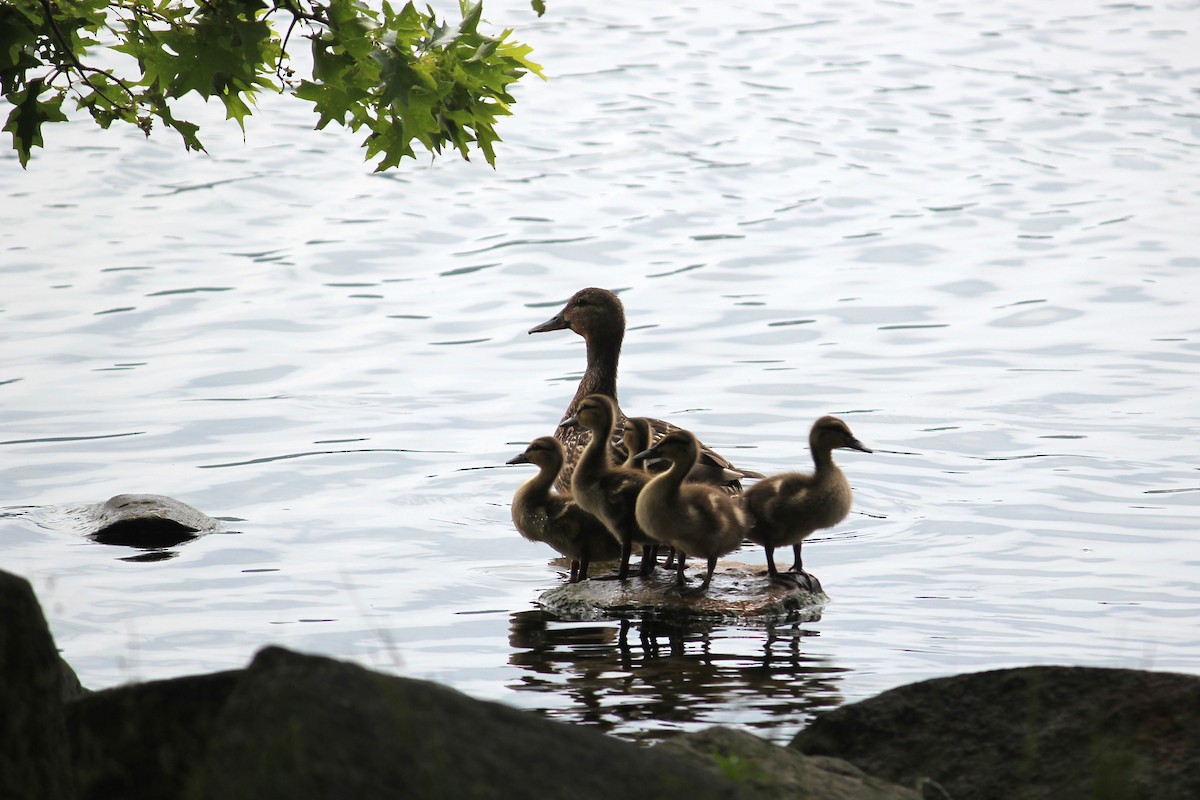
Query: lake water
x,y
969,231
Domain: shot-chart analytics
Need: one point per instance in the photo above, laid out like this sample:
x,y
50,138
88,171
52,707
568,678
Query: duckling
x,y
541,515
637,436
605,490
787,508
696,519
599,317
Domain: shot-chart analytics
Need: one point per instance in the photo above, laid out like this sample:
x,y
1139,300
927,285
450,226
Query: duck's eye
x,y
581,302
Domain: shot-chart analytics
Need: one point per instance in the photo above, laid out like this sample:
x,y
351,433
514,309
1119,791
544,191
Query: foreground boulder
x,y
779,773
299,727
34,759
1058,733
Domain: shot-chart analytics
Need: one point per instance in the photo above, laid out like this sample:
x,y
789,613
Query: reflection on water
x,y
648,678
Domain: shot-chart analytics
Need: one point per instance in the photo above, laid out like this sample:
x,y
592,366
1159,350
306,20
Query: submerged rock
x,y
779,773
146,521
738,591
1037,733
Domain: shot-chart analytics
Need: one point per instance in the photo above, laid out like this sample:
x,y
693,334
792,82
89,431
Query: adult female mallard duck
x,y
787,508
541,515
599,317
609,492
697,519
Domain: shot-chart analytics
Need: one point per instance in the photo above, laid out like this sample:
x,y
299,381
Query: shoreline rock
x,y
1038,733
304,726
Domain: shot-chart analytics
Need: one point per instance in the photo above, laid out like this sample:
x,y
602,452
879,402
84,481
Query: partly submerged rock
x,y
146,521
738,591
1036,733
779,773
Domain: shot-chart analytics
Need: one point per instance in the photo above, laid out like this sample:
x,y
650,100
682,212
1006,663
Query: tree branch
x,y
79,66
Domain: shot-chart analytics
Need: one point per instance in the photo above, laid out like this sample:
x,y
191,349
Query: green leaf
x,y
403,74
28,114
539,7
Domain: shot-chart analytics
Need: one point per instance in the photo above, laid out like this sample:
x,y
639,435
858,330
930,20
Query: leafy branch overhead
x,y
402,75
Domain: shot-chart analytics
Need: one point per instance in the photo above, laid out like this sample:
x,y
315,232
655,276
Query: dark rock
x,y
738,592
147,521
301,727
779,773
142,741
71,687
33,737
1061,733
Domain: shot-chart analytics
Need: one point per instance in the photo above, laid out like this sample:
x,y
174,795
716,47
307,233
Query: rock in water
x,y
147,521
738,591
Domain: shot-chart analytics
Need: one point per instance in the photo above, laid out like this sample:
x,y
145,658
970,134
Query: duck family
x,y
607,482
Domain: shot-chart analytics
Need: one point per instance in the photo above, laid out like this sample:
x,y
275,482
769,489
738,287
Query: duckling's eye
x,y
580,303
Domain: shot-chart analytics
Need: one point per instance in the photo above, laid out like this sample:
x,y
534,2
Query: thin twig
x,y
81,68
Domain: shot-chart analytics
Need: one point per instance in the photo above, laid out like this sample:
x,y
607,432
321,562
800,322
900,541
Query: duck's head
x,y
590,313
637,435
677,446
594,412
544,451
830,432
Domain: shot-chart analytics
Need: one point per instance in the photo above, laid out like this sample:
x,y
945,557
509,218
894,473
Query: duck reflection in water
x,y
683,674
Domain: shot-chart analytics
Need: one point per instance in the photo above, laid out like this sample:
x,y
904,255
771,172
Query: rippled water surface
x,y
968,230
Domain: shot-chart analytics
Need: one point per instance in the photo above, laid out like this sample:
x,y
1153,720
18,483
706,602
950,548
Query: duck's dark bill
x,y
555,323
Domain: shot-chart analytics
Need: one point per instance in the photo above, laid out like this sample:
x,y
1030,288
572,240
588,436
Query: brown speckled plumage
x,y
599,317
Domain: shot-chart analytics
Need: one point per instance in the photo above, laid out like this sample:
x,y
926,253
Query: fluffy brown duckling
x,y
787,508
542,515
599,317
607,491
696,519
637,436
